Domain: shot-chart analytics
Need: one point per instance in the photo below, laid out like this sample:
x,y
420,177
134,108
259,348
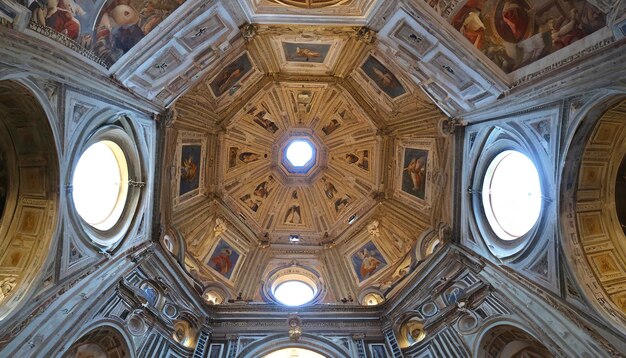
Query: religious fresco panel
x,y
367,261
414,172
229,76
305,52
189,168
109,28
515,33
383,78
224,259
4,181
620,194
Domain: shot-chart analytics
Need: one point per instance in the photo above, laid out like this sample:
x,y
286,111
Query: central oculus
x,y
299,152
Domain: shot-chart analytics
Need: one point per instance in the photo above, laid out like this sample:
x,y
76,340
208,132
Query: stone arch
x,y
103,340
508,340
307,341
593,240
29,198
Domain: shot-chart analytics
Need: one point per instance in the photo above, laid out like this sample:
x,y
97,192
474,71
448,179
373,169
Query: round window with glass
x,y
100,184
294,293
511,195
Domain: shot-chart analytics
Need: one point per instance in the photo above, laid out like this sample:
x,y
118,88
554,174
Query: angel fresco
x,y
331,127
230,75
293,213
383,78
235,158
261,118
360,158
414,172
252,204
329,188
342,202
305,52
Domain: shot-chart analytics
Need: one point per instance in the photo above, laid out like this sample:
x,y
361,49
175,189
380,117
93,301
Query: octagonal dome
x,y
314,200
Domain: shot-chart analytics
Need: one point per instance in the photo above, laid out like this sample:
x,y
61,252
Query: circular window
x,y
294,353
294,285
107,184
294,293
299,153
511,195
100,184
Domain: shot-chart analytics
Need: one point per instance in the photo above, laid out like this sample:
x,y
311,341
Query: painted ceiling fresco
x,y
257,184
109,28
515,33
311,4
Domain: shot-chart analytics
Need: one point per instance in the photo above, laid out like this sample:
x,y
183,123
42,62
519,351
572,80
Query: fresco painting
x,y
254,200
230,75
367,261
189,168
263,118
224,259
238,156
305,52
359,158
383,78
108,28
414,172
4,180
515,33
620,194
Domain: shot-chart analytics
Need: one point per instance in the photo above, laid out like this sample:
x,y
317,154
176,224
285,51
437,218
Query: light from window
x,y
299,153
294,353
294,293
100,185
511,195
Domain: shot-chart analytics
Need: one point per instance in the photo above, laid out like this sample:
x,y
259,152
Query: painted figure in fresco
x,y
263,190
416,170
222,262
232,156
260,119
293,213
385,78
229,77
127,33
473,28
253,204
118,30
248,157
307,54
360,158
369,263
454,295
188,169
566,30
59,16
342,202
329,189
331,127
513,21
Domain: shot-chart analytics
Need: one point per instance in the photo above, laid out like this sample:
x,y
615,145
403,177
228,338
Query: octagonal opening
x,y
299,152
